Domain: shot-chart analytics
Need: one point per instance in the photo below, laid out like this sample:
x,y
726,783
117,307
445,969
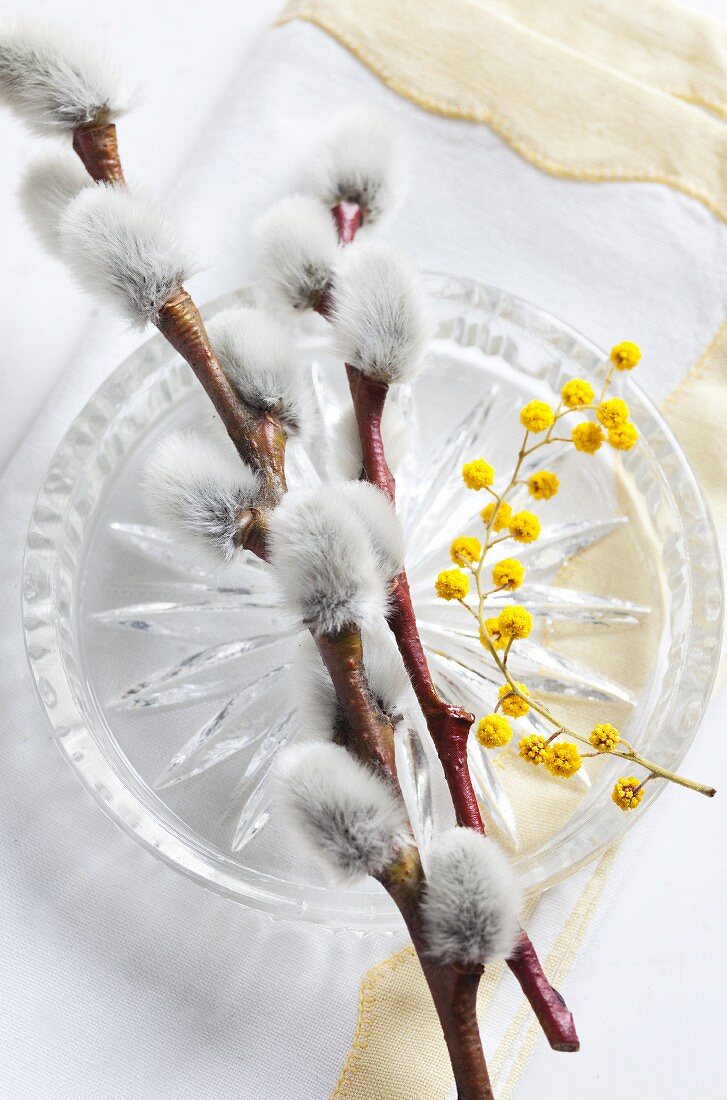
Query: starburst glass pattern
x,y
174,696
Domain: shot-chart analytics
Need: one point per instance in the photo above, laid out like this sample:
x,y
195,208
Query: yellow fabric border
x,y
675,49
396,1023
570,116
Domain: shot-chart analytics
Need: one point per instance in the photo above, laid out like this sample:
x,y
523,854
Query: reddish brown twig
x,y
369,397
453,991
259,437
347,216
370,733
553,1014
448,725
97,147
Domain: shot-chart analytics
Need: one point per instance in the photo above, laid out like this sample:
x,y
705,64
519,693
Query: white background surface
x,y
649,995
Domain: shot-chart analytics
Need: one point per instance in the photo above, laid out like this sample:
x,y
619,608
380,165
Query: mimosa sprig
x,y
498,633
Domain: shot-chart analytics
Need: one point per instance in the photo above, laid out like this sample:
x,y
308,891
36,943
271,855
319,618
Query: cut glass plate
x,y
167,681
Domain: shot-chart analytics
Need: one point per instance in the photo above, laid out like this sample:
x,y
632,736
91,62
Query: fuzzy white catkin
x,y
344,454
380,320
47,187
328,570
317,709
258,356
360,160
196,489
471,901
375,511
343,812
121,247
297,249
54,81
385,672
318,712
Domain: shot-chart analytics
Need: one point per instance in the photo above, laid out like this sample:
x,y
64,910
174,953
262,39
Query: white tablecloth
x,y
122,978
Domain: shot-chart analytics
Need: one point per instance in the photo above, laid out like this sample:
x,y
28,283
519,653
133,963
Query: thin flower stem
x,y
657,772
471,610
630,755
607,382
535,447
575,409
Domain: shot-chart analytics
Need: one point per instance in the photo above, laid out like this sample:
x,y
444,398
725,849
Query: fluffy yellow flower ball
x,y
465,550
502,518
524,527
563,759
498,639
577,393
543,485
604,737
623,437
627,794
452,584
493,731
511,704
537,416
515,621
587,437
612,413
533,748
478,474
625,355
508,573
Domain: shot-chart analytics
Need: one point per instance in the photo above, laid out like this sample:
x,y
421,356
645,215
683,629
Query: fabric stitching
x,y
703,365
367,999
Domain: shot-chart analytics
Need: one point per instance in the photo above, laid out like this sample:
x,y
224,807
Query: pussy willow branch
x,y
260,440
448,725
370,736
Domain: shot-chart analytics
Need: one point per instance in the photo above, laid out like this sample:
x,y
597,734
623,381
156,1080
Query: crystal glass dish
x,y
167,683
